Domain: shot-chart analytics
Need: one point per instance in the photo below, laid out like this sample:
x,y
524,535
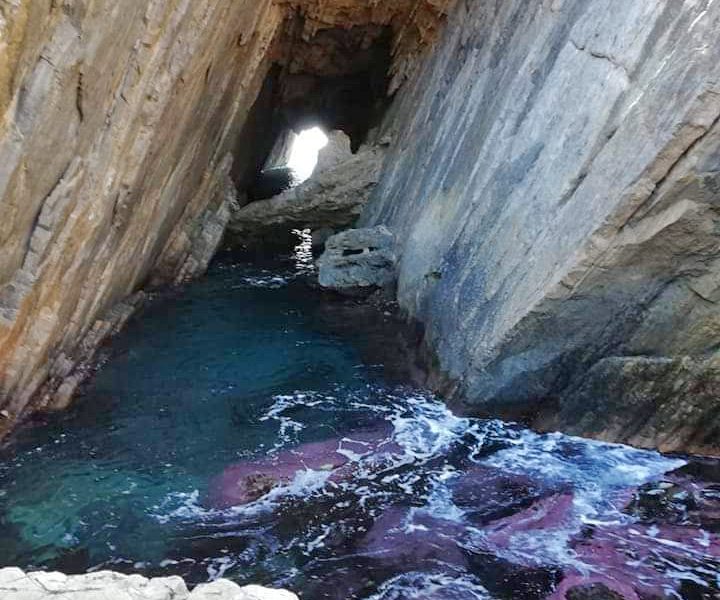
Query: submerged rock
x,y
359,260
106,585
593,591
662,502
250,480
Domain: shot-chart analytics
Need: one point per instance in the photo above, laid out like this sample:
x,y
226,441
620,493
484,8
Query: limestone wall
x,y
116,120
555,184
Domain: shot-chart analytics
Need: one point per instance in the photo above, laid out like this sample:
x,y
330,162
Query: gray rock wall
x,y
555,187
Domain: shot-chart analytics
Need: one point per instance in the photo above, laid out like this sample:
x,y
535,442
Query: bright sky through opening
x,y
304,155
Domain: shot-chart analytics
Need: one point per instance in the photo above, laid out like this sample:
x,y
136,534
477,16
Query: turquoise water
x,y
248,364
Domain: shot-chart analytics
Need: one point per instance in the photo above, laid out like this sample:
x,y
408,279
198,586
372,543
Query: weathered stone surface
x,y
358,259
671,404
337,151
106,585
115,125
554,189
331,200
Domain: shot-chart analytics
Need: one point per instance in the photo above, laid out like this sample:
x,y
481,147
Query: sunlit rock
x,y
359,260
331,200
106,585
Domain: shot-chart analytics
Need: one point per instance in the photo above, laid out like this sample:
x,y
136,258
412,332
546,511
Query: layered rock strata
x,y
554,189
116,124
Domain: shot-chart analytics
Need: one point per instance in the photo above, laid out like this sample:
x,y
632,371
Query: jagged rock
x,y
662,502
331,200
106,585
358,260
337,151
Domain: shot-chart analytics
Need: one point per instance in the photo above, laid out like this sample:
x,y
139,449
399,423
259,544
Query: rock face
x,y
272,182
105,585
337,151
554,189
358,260
668,403
120,126
116,123
331,200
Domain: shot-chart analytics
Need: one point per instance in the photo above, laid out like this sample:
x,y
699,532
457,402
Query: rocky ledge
x,y
105,585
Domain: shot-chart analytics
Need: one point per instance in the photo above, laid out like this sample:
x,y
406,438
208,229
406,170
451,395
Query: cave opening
x,y
306,147
337,79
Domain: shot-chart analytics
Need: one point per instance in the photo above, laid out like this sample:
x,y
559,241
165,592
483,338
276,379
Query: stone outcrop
x,y
337,150
358,260
106,585
330,200
554,189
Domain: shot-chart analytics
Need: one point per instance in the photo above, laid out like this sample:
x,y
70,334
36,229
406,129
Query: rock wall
x,y
116,121
555,187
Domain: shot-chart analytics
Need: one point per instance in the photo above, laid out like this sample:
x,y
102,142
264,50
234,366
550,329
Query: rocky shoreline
x,y
15,584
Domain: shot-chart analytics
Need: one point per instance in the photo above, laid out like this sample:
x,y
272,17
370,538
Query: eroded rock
x,y
359,261
668,403
331,200
106,585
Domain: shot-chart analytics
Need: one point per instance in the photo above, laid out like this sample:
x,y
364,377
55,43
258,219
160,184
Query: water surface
x,y
251,369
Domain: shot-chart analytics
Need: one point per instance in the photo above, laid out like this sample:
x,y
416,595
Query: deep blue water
x,y
247,364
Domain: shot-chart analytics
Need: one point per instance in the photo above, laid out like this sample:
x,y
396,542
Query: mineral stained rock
x,y
106,585
250,480
358,260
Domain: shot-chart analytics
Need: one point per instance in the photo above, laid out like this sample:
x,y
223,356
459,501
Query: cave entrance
x,y
328,88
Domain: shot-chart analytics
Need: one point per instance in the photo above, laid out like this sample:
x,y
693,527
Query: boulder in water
x,y
359,261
